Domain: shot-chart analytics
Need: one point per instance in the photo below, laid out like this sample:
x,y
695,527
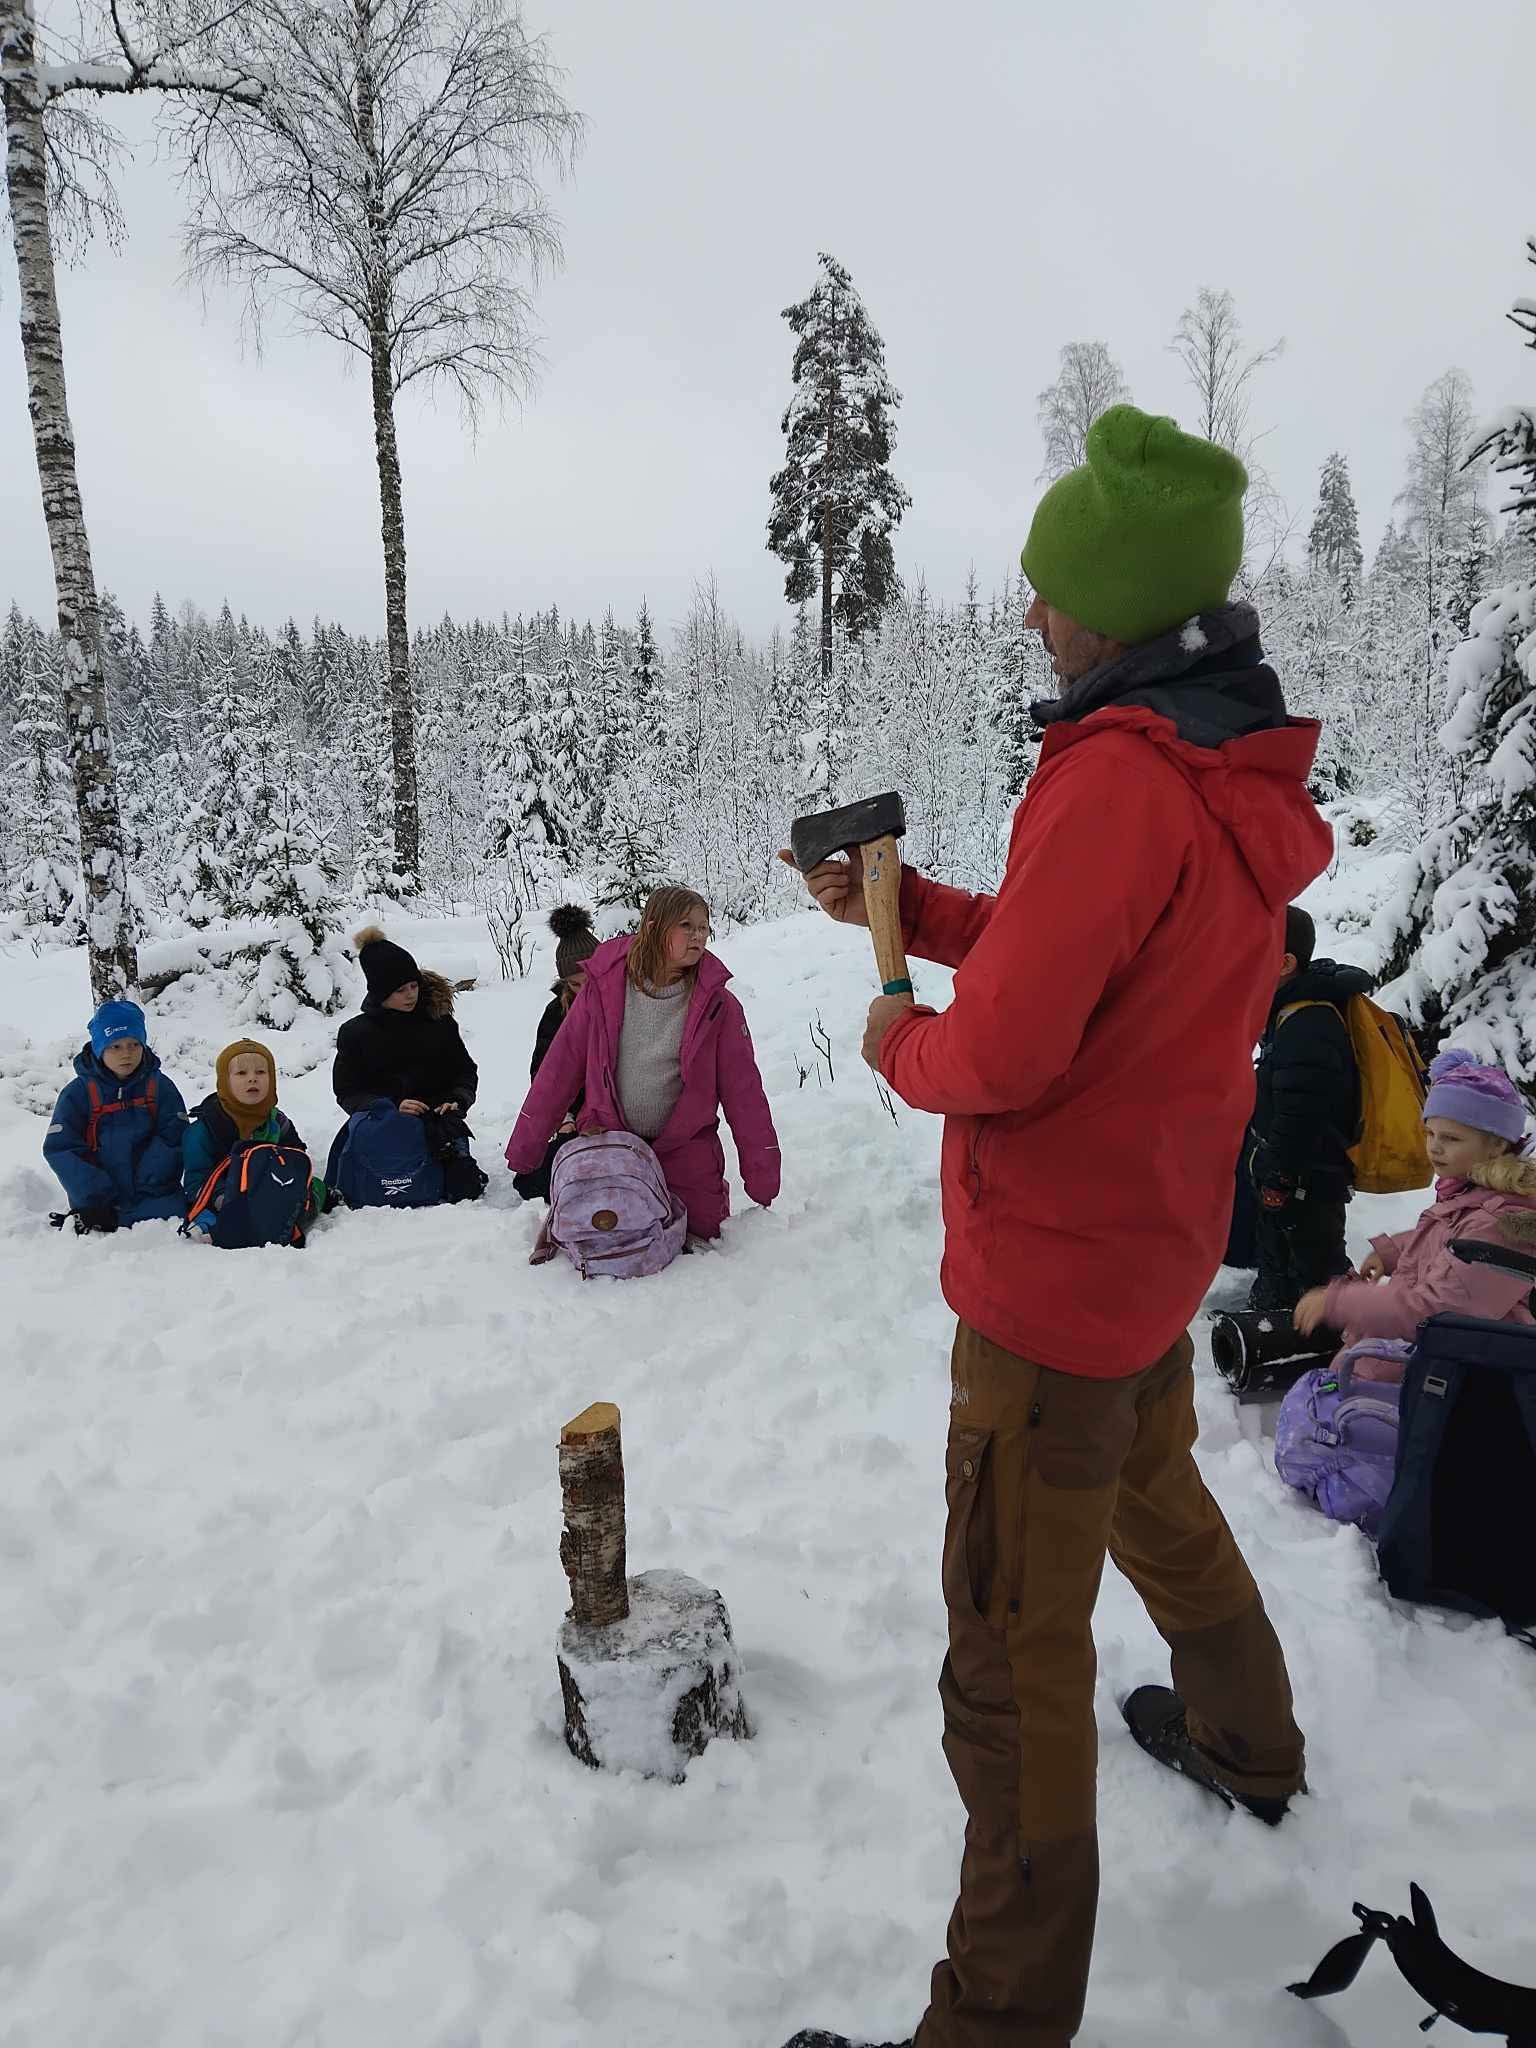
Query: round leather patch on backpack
x,y
605,1219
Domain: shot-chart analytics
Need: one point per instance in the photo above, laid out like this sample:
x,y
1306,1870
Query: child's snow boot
x,y
1155,1716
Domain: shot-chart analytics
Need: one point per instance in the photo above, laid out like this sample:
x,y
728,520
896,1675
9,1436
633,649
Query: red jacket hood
x,y
1255,787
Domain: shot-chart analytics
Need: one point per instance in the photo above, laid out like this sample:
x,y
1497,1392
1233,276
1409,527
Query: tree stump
x,y
652,1691
648,1667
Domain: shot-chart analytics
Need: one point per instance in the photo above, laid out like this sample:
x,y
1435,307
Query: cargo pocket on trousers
x,y
970,1533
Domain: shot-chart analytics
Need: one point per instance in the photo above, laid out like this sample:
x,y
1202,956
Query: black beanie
x,y
385,965
576,941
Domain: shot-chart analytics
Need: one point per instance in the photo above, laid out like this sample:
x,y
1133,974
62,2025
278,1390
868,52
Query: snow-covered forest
x,y
560,756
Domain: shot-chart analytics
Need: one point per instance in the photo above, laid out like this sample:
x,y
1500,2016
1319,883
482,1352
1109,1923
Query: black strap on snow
x,y
1473,2000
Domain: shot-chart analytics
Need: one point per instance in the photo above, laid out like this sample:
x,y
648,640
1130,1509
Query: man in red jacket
x,y
1094,1071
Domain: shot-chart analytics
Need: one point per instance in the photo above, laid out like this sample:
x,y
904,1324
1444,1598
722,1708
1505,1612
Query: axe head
x,y
817,837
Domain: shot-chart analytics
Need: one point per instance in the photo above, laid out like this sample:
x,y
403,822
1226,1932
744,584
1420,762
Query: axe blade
x,y
819,835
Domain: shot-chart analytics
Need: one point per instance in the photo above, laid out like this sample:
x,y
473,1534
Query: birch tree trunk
x,y
402,715
114,963
402,711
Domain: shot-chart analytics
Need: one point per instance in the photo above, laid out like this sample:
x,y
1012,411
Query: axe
x,y
873,827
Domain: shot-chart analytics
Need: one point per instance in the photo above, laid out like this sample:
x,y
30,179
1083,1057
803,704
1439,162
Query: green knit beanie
x,y
1147,533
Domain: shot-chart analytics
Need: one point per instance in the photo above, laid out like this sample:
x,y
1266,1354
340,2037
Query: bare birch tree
x,y
1221,367
57,165
1209,343
384,192
1443,497
1088,383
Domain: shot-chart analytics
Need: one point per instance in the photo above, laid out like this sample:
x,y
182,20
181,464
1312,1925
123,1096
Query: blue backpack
x,y
382,1160
259,1194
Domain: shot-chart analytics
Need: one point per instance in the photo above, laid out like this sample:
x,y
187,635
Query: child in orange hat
x,y
241,1110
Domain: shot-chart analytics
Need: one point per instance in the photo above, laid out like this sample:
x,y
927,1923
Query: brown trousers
x,y
1047,1472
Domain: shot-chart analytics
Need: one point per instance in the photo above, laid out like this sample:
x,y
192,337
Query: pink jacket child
x,y
719,1072
1474,1120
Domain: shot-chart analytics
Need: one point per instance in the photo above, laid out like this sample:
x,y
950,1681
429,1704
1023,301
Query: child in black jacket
x,y
576,942
1306,1118
405,1048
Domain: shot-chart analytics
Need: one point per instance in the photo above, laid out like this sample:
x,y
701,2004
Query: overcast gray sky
x,y
1000,176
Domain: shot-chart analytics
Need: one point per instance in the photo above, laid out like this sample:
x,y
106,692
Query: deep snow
x,y
280,1757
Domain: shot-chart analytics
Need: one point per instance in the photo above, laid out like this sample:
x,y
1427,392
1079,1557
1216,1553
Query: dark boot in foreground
x,y
1155,1716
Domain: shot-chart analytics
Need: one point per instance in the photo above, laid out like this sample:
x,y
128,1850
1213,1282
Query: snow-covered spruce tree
x,y
385,190
1310,627
1462,934
632,861
647,687
565,744
45,887
289,880
607,713
214,844
835,501
1020,676
524,824
1333,546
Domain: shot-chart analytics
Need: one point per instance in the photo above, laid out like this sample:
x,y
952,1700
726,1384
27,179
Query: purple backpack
x,y
610,1209
1336,1437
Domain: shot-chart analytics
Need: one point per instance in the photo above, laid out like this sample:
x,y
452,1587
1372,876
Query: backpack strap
x,y
1309,1003
99,1109
206,1192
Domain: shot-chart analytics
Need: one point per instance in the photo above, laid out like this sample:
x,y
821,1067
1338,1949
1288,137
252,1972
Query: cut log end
x,y
594,1421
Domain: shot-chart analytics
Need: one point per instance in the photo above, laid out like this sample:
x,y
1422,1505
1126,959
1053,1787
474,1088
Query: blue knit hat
x,y
117,1020
1484,1098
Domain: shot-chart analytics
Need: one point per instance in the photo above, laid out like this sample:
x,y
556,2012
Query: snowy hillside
x,y
281,1755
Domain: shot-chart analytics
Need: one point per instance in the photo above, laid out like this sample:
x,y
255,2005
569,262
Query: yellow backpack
x,y
1389,1156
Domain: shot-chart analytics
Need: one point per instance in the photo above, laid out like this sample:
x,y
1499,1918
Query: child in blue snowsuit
x,y
115,1138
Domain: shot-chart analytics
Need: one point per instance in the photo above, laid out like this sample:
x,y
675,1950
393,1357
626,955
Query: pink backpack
x,y
610,1209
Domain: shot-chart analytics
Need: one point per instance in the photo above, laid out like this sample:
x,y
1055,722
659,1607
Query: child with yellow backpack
x,y
1339,1106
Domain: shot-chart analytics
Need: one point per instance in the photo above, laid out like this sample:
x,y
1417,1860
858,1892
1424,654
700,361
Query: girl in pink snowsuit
x,y
1474,1124
657,1044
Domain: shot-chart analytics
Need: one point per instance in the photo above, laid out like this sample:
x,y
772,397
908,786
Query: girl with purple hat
x,y
1474,1127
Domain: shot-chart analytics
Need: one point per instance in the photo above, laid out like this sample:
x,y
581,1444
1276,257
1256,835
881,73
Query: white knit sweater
x,y
650,1053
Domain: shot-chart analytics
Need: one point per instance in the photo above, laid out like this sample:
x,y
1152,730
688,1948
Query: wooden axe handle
x,y
882,900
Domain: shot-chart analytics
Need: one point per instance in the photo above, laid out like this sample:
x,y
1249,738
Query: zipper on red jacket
x,y
973,1168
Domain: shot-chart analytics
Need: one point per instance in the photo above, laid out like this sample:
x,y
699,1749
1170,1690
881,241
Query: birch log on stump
x,y
647,1665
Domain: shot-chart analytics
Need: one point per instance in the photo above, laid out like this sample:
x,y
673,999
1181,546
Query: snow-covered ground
x,y
280,1752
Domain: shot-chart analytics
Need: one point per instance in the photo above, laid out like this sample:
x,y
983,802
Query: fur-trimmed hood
x,y
436,993
1515,1176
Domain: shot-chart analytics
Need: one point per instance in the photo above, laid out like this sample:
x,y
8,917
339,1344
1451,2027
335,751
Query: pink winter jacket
x,y
1497,1206
719,1073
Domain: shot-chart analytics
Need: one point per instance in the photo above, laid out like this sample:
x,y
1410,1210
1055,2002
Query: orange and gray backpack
x,y
1389,1156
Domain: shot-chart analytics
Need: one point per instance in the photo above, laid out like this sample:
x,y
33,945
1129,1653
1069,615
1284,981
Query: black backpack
x,y
1460,1527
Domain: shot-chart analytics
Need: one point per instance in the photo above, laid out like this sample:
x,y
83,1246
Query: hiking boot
x,y
815,2038
1155,1716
